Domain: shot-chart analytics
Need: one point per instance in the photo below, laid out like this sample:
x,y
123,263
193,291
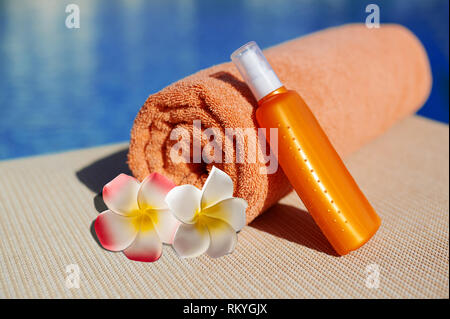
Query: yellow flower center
x,y
202,219
144,219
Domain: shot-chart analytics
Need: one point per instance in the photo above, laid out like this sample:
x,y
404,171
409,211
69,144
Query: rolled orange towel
x,y
357,81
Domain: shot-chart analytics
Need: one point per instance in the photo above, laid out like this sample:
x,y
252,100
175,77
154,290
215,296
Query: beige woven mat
x,y
48,204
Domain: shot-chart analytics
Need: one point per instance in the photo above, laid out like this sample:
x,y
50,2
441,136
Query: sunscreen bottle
x,y
307,157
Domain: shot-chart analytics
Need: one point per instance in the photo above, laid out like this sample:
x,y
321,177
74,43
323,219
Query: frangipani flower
x,y
210,217
138,220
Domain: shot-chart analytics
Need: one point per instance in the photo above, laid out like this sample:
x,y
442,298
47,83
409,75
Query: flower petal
x,y
191,240
146,247
184,202
166,225
222,236
115,232
120,194
231,211
153,190
218,186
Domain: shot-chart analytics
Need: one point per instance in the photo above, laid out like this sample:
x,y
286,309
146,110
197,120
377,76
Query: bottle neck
x,y
280,90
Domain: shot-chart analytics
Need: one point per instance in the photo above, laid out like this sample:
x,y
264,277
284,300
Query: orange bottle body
x,y
317,173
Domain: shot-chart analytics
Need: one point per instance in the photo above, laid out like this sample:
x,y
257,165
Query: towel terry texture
x,y
357,81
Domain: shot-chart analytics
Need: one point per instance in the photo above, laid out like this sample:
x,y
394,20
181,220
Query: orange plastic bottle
x,y
307,157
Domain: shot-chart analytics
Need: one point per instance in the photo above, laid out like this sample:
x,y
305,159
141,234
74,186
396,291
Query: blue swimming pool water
x,y
69,88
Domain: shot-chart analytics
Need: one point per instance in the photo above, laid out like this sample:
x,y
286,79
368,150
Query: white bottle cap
x,y
255,70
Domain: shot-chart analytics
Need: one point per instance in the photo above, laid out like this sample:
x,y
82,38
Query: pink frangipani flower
x,y
138,220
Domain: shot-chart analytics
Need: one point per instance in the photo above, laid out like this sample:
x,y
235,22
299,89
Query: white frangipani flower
x,y
210,217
